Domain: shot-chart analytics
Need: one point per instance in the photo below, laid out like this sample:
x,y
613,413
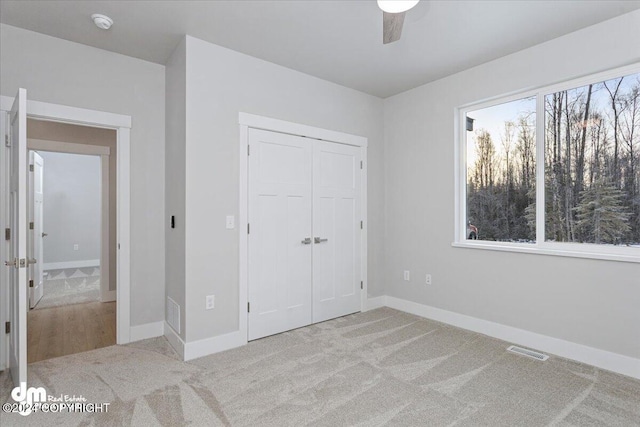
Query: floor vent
x,y
529,353
173,314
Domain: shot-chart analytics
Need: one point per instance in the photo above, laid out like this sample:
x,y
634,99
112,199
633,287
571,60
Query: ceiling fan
x,y
393,18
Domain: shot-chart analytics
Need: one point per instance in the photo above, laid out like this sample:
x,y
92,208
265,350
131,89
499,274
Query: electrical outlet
x,y
407,275
76,247
428,279
210,301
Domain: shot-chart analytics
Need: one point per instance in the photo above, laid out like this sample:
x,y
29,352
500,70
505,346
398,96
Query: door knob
x,y
306,241
319,240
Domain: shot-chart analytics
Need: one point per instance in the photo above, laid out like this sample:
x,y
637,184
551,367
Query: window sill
x,y
566,250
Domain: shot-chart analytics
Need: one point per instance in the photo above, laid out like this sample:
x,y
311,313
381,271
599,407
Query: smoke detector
x,y
102,21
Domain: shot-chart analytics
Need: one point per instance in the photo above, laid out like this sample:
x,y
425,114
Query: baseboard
x,y
174,339
71,264
145,331
375,302
207,346
108,296
599,358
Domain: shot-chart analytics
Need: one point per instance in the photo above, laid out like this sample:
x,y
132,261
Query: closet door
x,y
280,239
336,230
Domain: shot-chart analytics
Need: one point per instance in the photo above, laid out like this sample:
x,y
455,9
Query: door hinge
x,y
248,150
31,225
360,164
7,327
7,234
248,307
361,284
31,283
361,225
248,228
6,140
30,168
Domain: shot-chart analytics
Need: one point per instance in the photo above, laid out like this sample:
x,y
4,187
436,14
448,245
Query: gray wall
x,y
591,302
221,83
63,72
176,88
71,207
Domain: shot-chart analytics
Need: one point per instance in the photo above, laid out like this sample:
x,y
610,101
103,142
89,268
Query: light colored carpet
x,y
382,367
70,286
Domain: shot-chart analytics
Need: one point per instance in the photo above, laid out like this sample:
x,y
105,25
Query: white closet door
x,y
336,228
280,177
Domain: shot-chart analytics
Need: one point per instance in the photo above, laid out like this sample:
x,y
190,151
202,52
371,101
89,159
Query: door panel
x,y
36,234
336,225
18,247
280,219
347,236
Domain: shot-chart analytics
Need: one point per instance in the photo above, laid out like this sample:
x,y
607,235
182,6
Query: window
x,y
556,169
501,172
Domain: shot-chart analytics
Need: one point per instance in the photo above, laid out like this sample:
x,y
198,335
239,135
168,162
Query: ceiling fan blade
x,y
392,26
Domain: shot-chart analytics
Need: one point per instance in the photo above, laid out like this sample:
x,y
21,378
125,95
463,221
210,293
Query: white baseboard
x,y
599,358
200,348
174,339
71,264
375,302
145,331
195,349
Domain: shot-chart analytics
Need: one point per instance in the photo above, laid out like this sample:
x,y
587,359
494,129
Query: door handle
x,y
306,241
10,263
31,261
319,240
45,234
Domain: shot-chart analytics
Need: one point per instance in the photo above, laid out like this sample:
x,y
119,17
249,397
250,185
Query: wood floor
x,y
69,329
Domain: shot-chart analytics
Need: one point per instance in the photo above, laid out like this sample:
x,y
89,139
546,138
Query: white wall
x,y
63,72
595,303
220,84
71,207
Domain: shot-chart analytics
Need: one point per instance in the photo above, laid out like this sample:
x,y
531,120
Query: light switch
x,y
231,222
210,302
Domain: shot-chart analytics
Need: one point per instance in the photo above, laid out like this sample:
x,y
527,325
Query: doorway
x,y
14,303
72,308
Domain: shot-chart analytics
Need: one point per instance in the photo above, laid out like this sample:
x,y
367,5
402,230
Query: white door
x,y
280,174
336,230
18,248
36,234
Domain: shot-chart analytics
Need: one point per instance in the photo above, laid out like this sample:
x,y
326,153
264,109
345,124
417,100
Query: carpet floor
x,y
70,286
382,367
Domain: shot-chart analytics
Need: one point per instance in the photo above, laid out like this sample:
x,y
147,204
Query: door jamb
x,y
246,121
122,125
4,247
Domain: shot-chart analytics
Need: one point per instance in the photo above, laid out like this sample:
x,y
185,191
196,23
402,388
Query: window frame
x,y
541,246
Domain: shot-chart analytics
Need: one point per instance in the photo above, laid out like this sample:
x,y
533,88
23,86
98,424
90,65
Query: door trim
x,y
122,125
246,121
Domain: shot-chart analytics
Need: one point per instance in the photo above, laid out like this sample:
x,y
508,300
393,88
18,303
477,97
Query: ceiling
x,y
339,41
